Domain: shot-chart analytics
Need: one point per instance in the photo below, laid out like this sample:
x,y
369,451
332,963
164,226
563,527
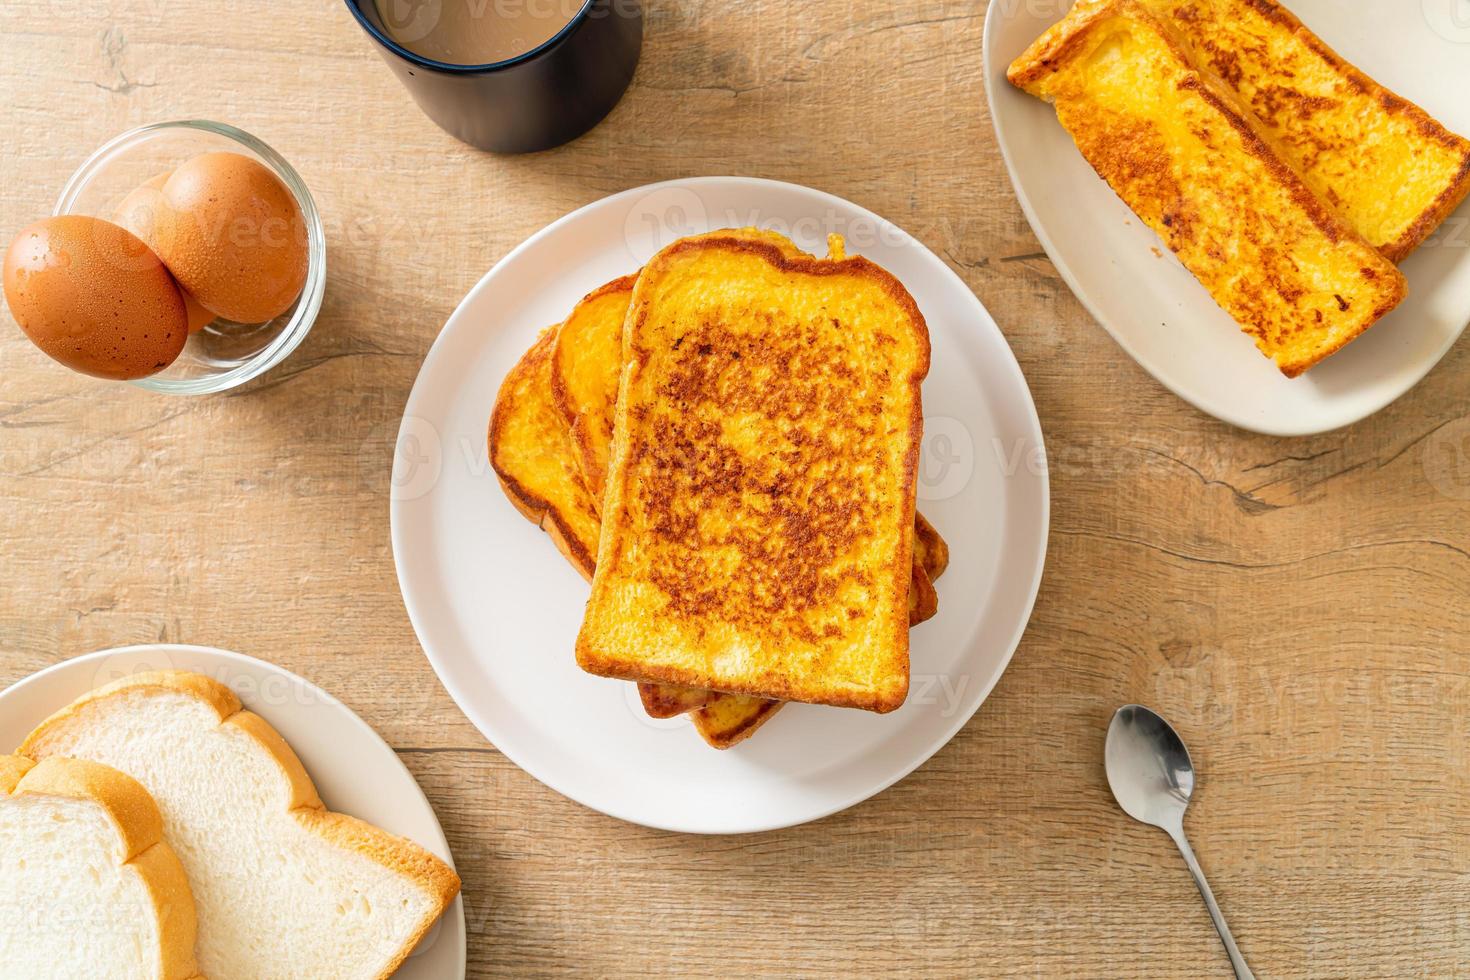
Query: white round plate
x,y
1160,314
497,608
354,770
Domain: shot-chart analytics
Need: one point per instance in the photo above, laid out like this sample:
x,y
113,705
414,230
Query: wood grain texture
x,y
1297,607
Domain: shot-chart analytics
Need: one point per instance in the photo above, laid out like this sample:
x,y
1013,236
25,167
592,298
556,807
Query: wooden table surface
x,y
1297,607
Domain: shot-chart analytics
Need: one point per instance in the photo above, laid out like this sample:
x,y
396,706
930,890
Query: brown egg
x,y
137,214
94,297
232,235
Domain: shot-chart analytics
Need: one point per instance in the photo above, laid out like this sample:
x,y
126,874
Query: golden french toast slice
x,y
1181,151
586,367
1385,165
758,513
531,453
584,378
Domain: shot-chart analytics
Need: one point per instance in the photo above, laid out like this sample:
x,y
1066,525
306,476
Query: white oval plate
x,y
354,770
1160,314
497,608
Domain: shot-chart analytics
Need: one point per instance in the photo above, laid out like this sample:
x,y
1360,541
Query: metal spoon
x,y
1152,778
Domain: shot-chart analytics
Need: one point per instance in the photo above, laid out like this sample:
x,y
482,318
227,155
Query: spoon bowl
x,y
1149,770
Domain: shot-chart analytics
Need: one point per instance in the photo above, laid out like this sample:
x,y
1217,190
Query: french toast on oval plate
x,y
1191,162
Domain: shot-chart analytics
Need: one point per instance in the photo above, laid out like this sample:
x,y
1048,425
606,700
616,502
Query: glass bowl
x,y
223,354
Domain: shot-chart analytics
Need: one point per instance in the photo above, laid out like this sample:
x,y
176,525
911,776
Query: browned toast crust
x,y
931,551
923,600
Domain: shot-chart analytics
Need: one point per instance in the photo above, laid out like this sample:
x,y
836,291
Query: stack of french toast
x,y
726,444
1287,181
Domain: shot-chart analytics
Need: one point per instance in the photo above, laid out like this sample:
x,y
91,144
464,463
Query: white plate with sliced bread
x,y
497,608
316,857
1157,311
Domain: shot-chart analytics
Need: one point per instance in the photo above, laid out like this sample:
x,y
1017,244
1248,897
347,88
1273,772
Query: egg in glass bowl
x,y
252,253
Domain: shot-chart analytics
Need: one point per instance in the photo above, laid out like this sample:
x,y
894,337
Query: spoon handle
x,y
1242,972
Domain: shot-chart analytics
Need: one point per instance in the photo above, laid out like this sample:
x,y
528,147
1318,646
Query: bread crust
x,y
139,828
923,600
12,768
722,733
401,856
896,568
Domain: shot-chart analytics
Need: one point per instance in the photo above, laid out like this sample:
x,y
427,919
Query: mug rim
x,y
450,68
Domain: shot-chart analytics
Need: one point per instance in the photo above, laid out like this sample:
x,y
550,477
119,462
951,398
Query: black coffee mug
x,y
533,101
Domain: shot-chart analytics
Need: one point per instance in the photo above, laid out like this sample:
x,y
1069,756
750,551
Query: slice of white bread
x,y
283,887
88,888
